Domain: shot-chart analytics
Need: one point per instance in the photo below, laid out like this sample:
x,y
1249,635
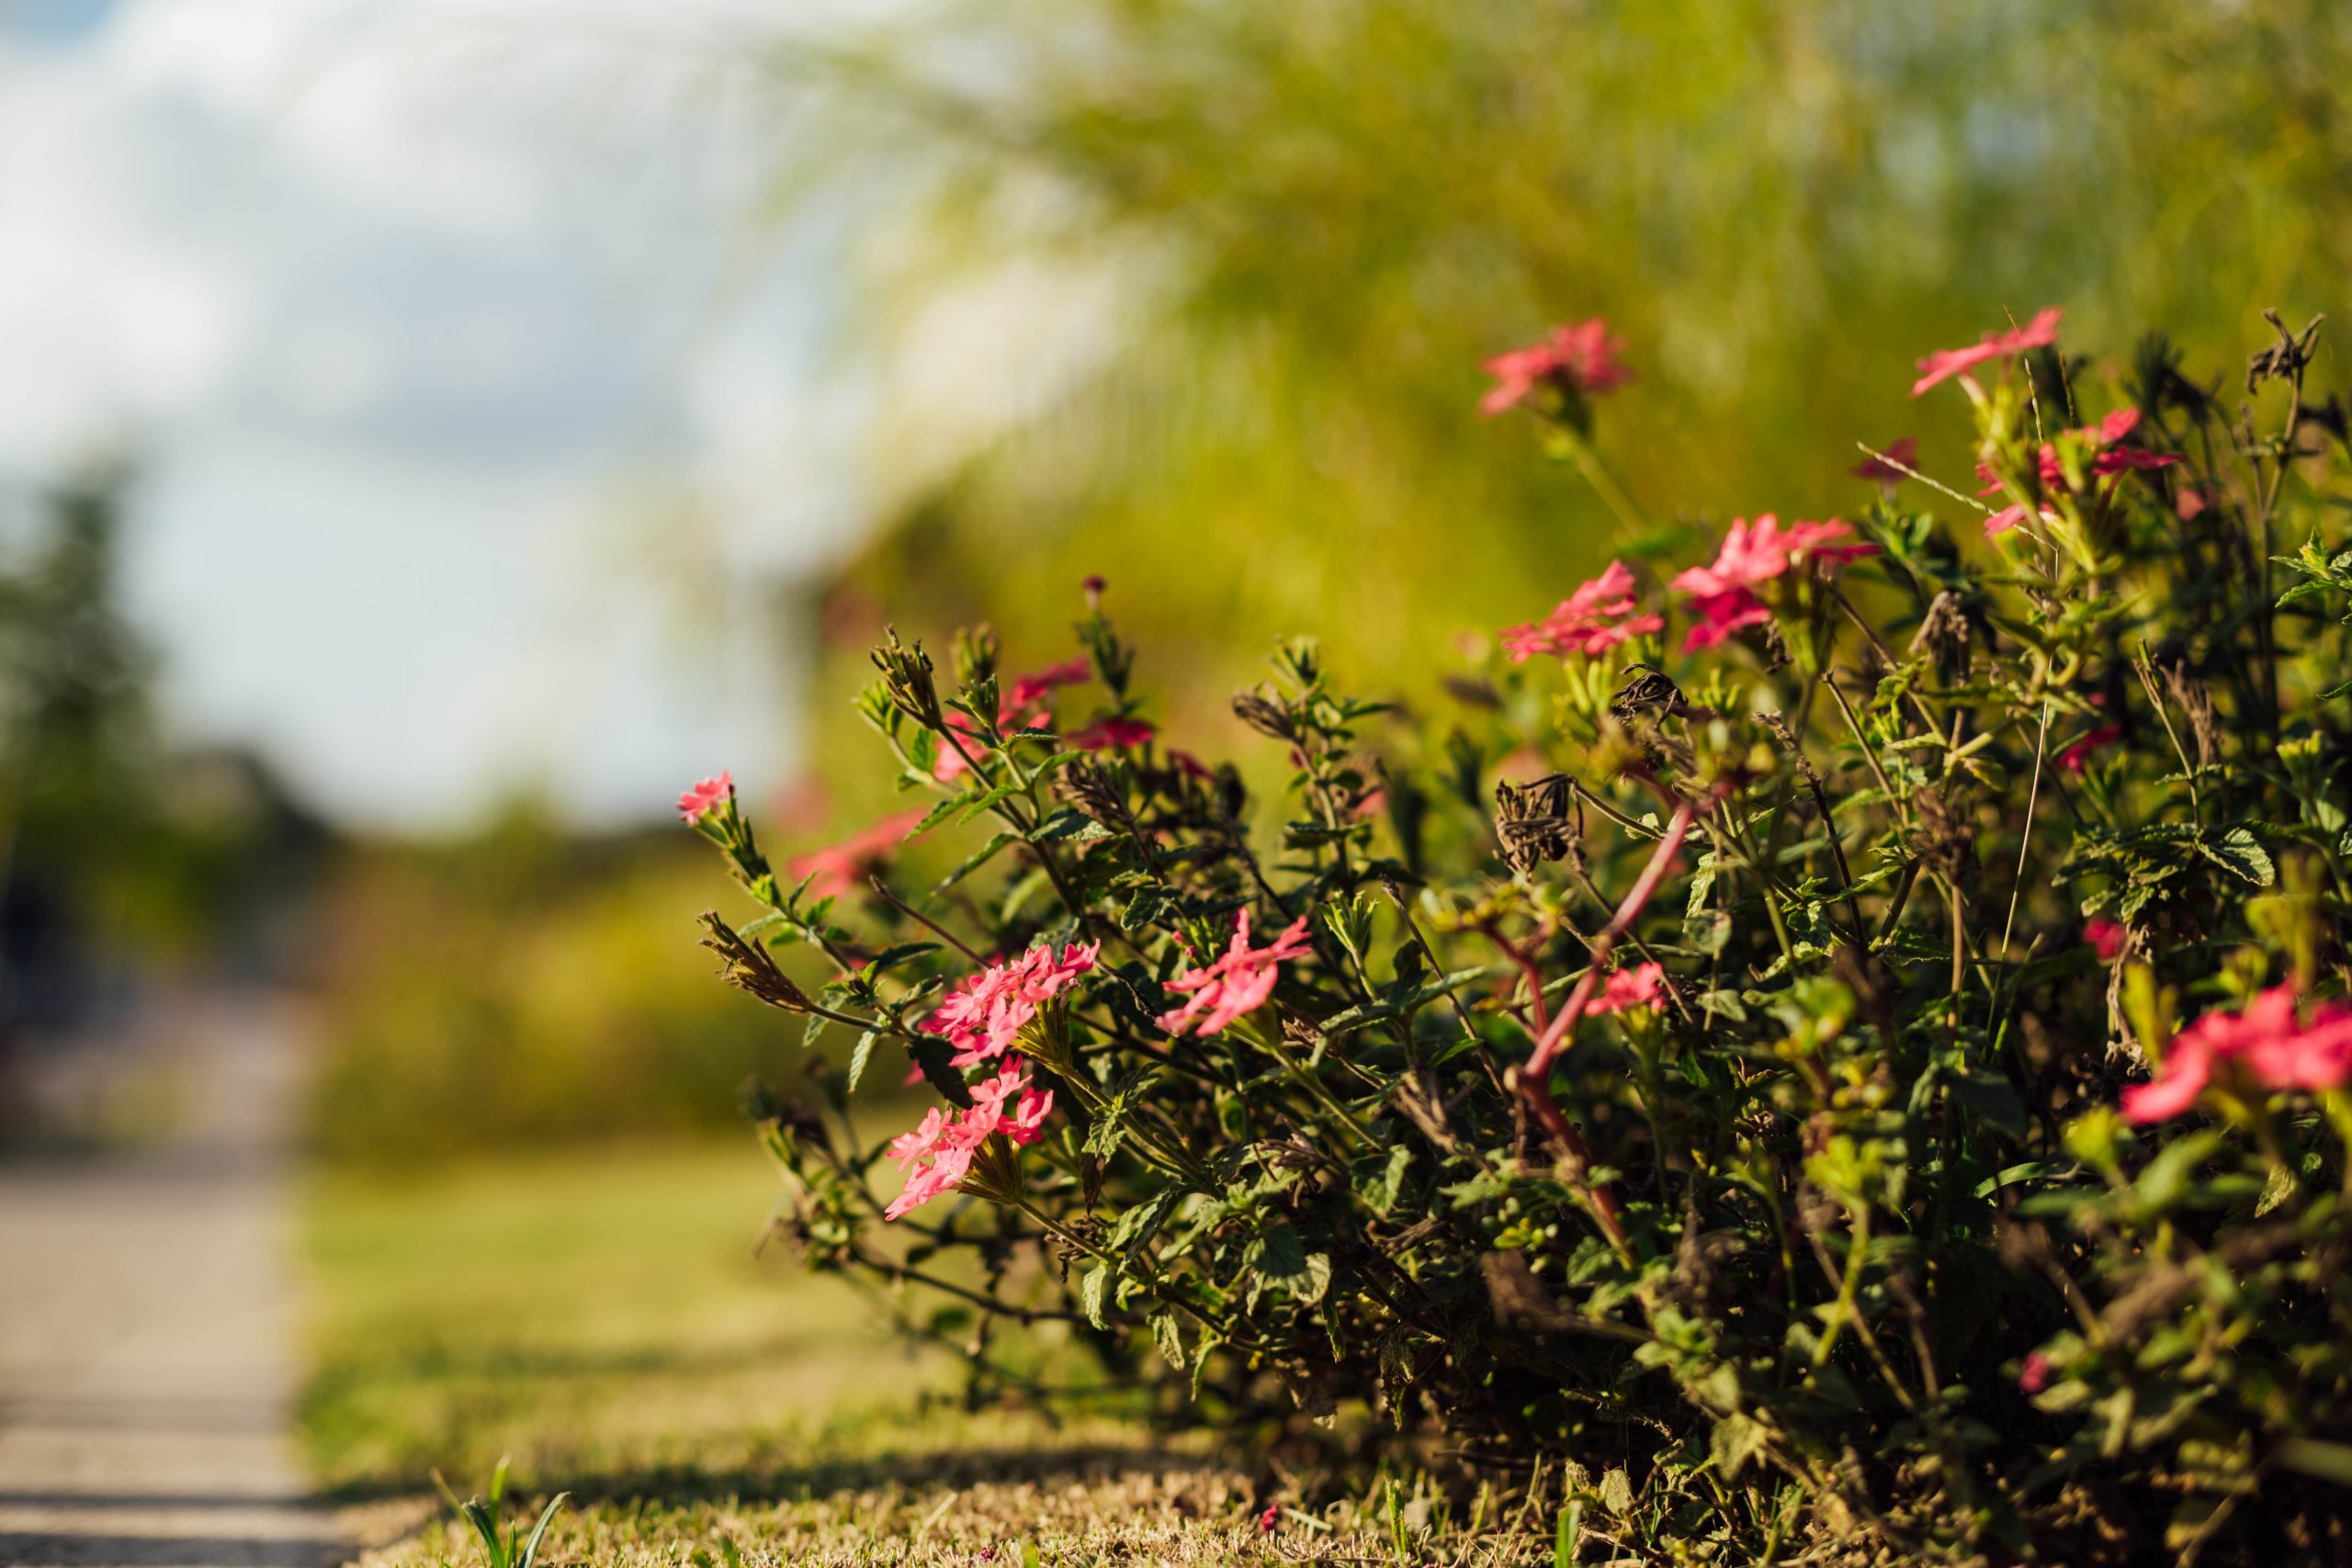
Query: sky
x,y
471,449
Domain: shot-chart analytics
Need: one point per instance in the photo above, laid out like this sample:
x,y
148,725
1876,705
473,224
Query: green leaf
x,y
1138,1224
857,1058
2161,1185
1066,822
941,810
2241,853
1168,1335
1091,1291
1149,907
975,804
539,1531
1279,1260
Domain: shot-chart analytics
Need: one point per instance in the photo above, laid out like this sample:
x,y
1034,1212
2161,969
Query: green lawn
x,y
589,1314
600,1318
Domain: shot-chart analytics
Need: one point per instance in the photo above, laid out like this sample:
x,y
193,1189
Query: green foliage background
x,y
1319,217
1326,213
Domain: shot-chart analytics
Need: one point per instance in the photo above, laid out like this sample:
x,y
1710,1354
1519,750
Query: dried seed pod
x,y
2284,358
1943,632
1265,717
1648,690
1941,839
747,967
1532,821
1095,790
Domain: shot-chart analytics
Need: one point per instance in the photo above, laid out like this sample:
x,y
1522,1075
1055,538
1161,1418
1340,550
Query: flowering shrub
x,y
1838,1050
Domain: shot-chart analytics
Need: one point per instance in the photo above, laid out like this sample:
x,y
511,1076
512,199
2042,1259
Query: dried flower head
x,y
749,967
1532,820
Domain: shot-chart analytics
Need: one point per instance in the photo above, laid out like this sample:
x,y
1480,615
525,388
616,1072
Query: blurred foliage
x,y
523,985
1318,218
117,851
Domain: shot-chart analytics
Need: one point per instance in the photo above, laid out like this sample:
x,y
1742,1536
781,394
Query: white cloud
x,y
387,302
395,299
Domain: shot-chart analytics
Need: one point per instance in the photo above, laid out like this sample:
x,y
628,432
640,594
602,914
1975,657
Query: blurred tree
x,y
1233,268
113,846
76,738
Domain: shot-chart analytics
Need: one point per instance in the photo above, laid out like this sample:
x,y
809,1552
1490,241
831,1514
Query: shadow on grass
x,y
918,1470
683,1485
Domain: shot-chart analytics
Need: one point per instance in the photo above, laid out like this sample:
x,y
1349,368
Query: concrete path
x,y
147,1335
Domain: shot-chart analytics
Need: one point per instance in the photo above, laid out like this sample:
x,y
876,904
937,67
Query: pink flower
x,y
1723,595
2034,1376
1270,1517
937,1154
985,1014
1595,618
939,1165
1721,614
2109,460
1029,690
2072,759
2266,1042
1944,364
1758,553
842,868
2106,937
1882,469
2008,517
1235,982
705,794
2108,455
1112,735
1642,986
1579,359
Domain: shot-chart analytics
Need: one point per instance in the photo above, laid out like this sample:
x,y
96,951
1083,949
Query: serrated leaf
x,y
1140,1224
2242,852
977,804
857,1058
1092,1290
1066,822
941,810
1277,1260
1168,1335
1149,907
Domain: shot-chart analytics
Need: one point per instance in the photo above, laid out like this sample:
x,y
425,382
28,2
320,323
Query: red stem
x,y
1534,1078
